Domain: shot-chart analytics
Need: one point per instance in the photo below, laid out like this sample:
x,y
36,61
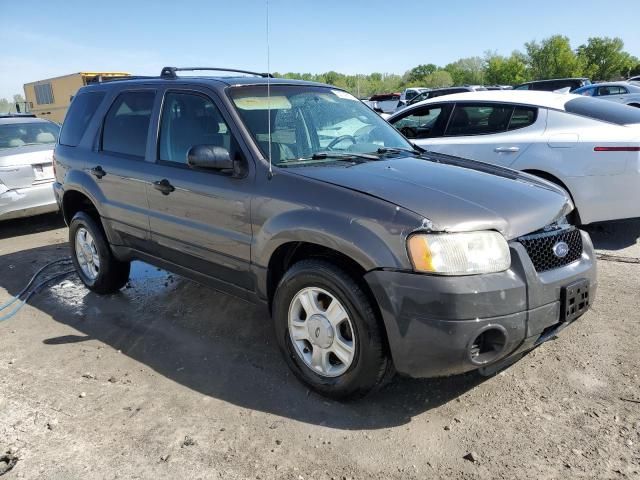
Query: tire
x,y
110,275
370,366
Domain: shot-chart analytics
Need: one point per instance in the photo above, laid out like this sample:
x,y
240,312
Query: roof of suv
x,y
207,80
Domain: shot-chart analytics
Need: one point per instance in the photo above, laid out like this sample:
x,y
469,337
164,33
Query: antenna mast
x,y
269,92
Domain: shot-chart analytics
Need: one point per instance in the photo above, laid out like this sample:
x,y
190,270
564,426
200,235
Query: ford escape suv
x,y
371,255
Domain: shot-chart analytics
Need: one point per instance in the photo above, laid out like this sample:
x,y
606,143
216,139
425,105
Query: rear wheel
x,y
95,264
329,332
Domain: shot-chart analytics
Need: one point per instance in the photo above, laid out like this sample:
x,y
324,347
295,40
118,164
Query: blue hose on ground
x,y
22,302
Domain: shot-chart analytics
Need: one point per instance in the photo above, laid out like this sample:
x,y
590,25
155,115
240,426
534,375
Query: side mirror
x,y
209,156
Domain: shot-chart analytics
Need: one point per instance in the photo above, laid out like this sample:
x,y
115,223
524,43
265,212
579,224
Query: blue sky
x,y
46,38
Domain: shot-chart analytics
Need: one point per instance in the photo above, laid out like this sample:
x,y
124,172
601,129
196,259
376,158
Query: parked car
x,y
589,147
384,102
408,94
634,79
620,92
439,92
371,256
554,84
26,171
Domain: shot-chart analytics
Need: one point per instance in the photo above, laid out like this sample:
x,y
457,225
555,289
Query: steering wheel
x,y
409,132
341,138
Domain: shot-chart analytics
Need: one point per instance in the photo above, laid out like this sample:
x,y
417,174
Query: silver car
x,y
26,166
620,92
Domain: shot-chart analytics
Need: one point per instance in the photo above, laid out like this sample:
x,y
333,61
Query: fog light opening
x,y
487,346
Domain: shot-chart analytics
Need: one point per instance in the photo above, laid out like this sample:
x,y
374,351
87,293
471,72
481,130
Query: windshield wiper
x,y
414,151
342,156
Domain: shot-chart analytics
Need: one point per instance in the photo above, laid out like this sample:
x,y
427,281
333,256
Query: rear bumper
x,y
25,202
432,322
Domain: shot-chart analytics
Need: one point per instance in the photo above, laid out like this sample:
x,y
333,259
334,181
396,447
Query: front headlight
x,y
465,253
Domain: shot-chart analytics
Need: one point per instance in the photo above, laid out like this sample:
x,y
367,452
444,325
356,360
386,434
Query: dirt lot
x,y
170,379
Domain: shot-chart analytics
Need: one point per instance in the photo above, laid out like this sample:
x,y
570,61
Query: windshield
x,y
34,133
311,124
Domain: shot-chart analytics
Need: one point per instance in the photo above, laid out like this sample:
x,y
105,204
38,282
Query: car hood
x,y
454,194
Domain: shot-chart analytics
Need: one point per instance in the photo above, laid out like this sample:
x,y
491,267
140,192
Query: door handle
x,y
506,149
98,172
163,186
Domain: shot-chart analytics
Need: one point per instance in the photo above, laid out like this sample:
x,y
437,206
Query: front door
x,y
200,218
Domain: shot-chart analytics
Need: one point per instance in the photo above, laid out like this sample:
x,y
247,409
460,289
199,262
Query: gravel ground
x,y
170,379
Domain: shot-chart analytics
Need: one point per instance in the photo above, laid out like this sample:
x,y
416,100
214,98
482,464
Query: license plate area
x,y
42,171
574,300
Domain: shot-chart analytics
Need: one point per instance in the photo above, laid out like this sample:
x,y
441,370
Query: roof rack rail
x,y
170,72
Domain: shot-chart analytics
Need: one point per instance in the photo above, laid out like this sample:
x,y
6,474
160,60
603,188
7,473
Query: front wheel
x,y
95,264
329,332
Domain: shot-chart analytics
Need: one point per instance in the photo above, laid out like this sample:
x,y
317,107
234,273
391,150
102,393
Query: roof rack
x,y
170,72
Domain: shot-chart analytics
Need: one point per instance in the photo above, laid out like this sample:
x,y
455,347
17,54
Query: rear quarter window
x,y
81,111
523,117
605,111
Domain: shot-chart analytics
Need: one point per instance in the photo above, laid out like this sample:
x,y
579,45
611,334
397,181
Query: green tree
x,y
553,58
4,105
440,78
500,70
604,58
467,71
419,73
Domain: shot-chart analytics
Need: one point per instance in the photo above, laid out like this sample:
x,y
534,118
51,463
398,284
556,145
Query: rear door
x,y
202,220
489,132
119,167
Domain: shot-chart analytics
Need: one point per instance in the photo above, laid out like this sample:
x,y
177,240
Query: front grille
x,y
540,247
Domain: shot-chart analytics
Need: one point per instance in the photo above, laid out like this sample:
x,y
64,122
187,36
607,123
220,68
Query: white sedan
x,y
26,169
627,93
589,147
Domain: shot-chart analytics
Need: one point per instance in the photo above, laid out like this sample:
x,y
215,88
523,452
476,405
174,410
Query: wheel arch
x,y
74,201
555,180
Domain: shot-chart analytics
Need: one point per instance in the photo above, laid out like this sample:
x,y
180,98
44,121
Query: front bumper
x,y
25,202
433,322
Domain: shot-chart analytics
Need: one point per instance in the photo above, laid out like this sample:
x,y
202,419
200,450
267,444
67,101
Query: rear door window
x,y
479,119
611,90
423,122
126,125
81,111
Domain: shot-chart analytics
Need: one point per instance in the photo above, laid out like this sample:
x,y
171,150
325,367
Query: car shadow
x,y
212,343
29,225
615,235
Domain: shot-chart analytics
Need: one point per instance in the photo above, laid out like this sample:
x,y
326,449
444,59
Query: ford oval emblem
x,y
561,249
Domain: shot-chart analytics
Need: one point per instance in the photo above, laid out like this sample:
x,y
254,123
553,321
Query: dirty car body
x,y
349,234
26,170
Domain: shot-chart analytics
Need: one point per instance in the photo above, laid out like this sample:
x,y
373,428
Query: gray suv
x,y
371,255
